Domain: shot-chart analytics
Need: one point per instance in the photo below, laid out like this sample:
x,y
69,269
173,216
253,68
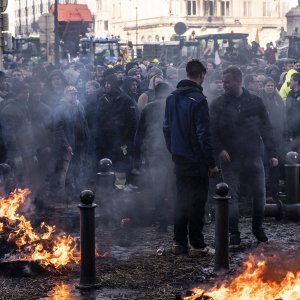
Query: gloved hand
x,y
35,160
18,162
124,149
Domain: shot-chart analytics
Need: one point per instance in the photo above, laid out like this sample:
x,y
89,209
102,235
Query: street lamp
x,y
136,30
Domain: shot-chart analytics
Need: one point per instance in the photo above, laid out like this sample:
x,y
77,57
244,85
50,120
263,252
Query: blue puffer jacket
x,y
186,124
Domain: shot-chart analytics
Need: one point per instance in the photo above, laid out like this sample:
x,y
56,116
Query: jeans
x,y
192,189
253,171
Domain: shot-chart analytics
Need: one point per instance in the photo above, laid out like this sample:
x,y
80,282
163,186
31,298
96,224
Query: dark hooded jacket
x,y
117,122
127,82
292,113
186,124
16,126
276,110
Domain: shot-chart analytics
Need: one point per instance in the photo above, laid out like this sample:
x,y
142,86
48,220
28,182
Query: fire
x,y
42,245
61,291
253,283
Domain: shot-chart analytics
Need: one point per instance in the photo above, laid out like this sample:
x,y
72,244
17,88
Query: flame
x,y
253,283
61,291
40,245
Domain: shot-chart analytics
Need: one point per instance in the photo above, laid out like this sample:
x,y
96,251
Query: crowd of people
x,y
58,122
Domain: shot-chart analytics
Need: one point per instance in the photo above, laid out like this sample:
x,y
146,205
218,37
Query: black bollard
x,y
87,240
292,178
221,228
105,179
104,190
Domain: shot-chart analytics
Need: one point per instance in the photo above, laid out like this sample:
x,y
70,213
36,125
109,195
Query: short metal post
x,y
221,228
87,240
292,178
105,179
104,188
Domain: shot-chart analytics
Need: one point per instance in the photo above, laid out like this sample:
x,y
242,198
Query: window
x,y
225,8
106,25
247,8
267,8
208,7
191,7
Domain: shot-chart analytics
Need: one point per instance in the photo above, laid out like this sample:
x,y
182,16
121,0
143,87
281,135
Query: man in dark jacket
x,y
292,112
186,130
117,122
71,139
17,134
150,144
240,126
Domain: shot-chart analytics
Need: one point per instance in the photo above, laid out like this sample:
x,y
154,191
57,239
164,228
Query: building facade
x,y
27,12
148,21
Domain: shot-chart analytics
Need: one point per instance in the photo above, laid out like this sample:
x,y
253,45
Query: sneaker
x,y
131,186
137,172
259,233
234,239
206,251
178,249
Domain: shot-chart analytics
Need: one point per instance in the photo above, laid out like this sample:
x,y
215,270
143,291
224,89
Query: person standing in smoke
x,y
130,87
293,112
71,141
214,87
149,143
117,121
54,88
187,134
240,126
276,111
17,135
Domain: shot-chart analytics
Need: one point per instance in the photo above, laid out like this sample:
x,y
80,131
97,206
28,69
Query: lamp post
x,y
56,37
136,30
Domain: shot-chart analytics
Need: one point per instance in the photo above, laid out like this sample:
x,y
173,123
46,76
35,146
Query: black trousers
x,y
192,191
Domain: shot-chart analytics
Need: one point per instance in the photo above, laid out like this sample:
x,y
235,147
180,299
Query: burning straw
x,y
256,282
42,245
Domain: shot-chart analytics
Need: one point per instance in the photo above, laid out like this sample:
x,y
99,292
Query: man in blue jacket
x,y
187,134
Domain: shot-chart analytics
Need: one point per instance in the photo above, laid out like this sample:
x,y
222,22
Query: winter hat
x,y
155,71
119,68
133,72
171,72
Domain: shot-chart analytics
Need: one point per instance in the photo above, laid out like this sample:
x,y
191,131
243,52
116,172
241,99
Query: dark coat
x,y
117,122
17,130
66,118
186,125
292,113
276,110
241,126
149,139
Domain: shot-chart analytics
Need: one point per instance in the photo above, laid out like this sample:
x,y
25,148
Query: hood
x,y
127,83
187,86
55,73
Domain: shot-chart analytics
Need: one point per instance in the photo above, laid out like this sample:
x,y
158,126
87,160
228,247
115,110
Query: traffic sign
x,y
47,38
46,23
